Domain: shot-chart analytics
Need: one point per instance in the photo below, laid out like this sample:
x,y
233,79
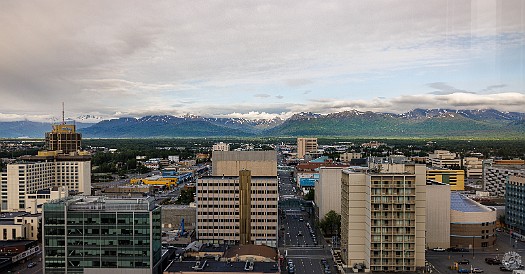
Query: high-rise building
x,y
239,207
33,173
383,217
63,138
101,235
305,145
514,206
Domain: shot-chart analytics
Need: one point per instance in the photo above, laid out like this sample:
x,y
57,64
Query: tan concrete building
x,y
305,145
19,226
454,178
472,225
238,205
383,214
328,191
221,147
219,210
438,216
443,159
260,163
473,166
347,156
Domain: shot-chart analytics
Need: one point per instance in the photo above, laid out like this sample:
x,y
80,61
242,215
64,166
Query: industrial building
x,y
85,234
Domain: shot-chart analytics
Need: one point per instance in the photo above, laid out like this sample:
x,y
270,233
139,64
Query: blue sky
x,y
258,59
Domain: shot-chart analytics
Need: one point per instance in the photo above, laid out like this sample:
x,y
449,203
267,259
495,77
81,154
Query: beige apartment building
x,y
383,217
239,206
19,225
327,194
305,145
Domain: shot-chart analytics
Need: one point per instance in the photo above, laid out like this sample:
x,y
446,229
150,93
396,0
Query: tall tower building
x,y
239,206
64,138
305,145
383,217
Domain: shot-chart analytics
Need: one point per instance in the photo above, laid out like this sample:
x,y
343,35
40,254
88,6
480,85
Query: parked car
x,y
463,270
477,270
31,264
438,249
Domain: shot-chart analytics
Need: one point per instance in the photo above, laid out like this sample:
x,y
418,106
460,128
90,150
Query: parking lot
x,y
443,261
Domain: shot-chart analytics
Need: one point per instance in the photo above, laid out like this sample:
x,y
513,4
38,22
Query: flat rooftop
x,y
461,203
220,267
102,203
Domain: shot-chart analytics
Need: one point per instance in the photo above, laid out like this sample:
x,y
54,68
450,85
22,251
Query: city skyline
x,y
258,60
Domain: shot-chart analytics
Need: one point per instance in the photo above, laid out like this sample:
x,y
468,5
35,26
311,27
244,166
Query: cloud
x,y
444,89
298,82
262,95
103,59
493,87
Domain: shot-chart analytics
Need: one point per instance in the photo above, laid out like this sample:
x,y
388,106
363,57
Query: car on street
x,y
438,249
31,265
493,261
300,233
463,270
505,269
477,270
464,261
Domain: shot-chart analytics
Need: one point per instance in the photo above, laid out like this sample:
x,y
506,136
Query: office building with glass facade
x,y
96,234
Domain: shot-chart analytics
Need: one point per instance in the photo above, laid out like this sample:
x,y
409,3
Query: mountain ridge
x,y
413,123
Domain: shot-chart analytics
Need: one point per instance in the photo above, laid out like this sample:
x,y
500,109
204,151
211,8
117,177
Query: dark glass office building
x,y
88,234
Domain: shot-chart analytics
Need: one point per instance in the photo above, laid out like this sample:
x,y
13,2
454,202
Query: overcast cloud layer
x,y
258,59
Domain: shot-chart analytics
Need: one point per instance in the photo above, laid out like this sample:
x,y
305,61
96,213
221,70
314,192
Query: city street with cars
x,y
300,242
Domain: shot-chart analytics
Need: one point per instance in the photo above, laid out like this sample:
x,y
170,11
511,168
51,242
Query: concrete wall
x,y
229,163
438,216
328,190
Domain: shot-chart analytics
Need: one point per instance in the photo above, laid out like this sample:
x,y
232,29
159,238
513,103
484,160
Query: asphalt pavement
x,y
296,242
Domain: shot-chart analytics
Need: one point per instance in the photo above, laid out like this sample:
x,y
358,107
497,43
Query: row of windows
x,y
222,234
221,184
223,191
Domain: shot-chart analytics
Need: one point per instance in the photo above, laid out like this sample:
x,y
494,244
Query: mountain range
x,y
415,123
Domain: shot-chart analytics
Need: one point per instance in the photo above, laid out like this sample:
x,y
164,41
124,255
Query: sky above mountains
x,y
258,59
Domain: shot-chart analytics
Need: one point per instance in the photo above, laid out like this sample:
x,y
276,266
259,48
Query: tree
x,y
331,223
310,195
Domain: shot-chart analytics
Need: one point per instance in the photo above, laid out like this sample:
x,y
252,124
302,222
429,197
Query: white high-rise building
x,y
35,173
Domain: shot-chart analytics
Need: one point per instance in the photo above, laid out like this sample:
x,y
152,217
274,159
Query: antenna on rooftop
x,y
63,115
